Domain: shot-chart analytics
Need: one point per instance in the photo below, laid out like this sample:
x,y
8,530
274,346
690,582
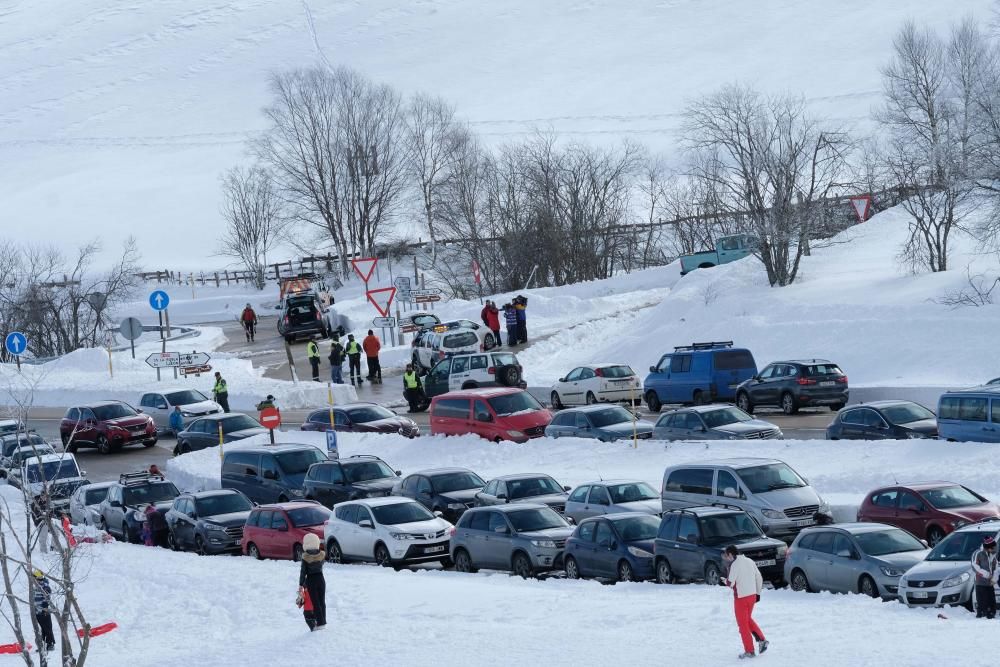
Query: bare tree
x,y
252,210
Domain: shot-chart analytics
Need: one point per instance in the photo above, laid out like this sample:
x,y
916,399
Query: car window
x,y
223,503
664,364
95,496
482,411
909,501
842,543
631,492
498,524
366,470
581,420
478,362
824,542
240,464
530,486
409,484
239,423
320,473
604,536
822,369
808,541
692,421
681,363
303,517
690,480
113,411
906,413
460,364
424,485
579,494
394,514
687,530
668,527
73,414
320,417
147,401
457,481
463,339
780,371
950,497
442,368
610,416
348,513
252,519
885,498
872,419
731,360
587,373
599,496
666,421
724,417
948,408
363,514
564,419
264,520
767,373
278,521
972,409
725,480
479,520
267,463
722,529
491,488
508,404
586,531
530,520
770,477
959,546
617,372
574,375
457,408
996,410
298,462
856,417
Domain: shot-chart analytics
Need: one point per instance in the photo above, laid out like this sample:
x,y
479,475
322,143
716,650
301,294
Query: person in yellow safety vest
x,y
411,388
354,359
221,392
312,351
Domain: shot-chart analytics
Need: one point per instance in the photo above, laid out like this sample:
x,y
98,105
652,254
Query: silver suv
x,y
524,539
776,496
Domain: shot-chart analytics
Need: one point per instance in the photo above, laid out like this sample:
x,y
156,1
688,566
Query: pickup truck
x,y
727,249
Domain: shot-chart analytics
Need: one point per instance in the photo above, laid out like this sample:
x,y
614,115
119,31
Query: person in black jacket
x,y
41,602
336,361
311,578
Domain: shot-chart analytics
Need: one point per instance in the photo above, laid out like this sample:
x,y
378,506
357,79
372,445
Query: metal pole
x,y
160,313
132,341
166,317
291,364
635,432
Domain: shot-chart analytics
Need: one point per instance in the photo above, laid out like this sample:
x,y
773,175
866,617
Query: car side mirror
x,y
139,410
729,492
845,553
562,379
570,520
756,378
438,514
567,488
365,523
398,472
500,530
194,515
613,546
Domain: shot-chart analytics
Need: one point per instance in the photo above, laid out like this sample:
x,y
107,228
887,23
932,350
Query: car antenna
x,y
894,480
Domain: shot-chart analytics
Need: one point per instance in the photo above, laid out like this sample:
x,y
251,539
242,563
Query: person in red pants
x,y
745,580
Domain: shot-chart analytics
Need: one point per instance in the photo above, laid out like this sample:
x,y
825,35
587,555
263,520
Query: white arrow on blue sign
x,y
16,343
159,300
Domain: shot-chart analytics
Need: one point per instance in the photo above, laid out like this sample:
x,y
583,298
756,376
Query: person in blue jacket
x,y
510,318
176,420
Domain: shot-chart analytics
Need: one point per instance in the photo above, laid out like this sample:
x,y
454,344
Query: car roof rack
x,y
703,346
136,478
364,456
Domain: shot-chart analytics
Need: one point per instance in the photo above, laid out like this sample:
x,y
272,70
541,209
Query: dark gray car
x,y
713,422
883,420
600,422
791,385
204,432
525,539
524,488
209,522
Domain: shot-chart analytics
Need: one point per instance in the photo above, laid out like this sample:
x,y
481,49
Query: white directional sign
x,y
402,283
193,359
384,322
430,291
163,359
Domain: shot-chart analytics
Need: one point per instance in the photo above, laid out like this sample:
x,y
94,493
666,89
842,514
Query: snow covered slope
x,y
117,117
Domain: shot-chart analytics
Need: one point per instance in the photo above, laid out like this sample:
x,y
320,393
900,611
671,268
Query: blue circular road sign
x,y
16,343
159,300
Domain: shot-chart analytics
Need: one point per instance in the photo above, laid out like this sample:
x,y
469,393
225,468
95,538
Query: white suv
x,y
388,531
434,345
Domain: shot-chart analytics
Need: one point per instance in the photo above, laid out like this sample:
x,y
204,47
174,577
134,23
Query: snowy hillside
x,y
117,118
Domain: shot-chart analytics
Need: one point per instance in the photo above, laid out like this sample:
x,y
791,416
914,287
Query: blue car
x,y
699,373
970,415
613,546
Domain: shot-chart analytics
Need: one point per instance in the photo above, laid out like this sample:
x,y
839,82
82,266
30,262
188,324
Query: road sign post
x,y
131,329
861,204
16,343
158,301
331,444
270,418
382,299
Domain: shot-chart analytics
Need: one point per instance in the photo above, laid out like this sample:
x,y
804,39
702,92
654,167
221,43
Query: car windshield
x,y
527,521
369,413
638,527
95,496
726,528
724,416
113,411
891,541
632,492
617,372
52,470
904,414
463,339
610,416
24,441
950,497
457,481
397,513
186,397
770,477
365,471
509,404
424,320
149,493
958,546
504,359
239,423
303,517
532,486
26,452
222,504
298,462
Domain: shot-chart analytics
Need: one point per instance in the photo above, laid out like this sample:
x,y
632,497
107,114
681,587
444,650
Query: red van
x,y
496,413
277,531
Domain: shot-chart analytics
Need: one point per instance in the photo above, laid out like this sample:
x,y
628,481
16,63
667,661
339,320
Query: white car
x,y
433,345
597,383
10,426
60,472
388,531
85,504
193,404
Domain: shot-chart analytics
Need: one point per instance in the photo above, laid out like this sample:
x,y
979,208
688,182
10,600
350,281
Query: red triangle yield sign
x,y
382,299
861,205
364,268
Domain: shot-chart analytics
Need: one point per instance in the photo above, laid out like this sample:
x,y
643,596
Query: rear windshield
x,y
822,369
617,372
904,414
510,404
731,360
222,504
504,359
892,541
25,441
113,411
308,516
186,397
950,497
150,493
532,486
958,546
464,339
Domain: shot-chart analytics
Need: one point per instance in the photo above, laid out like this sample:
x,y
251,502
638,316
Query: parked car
x,y
776,496
449,491
469,371
791,385
612,496
122,509
193,404
277,531
883,420
12,442
606,423
970,415
713,422
58,474
690,543
361,418
612,546
597,383
525,539
209,522
524,488
485,334
204,432
85,503
495,414
303,316
945,576
699,373
727,249
269,473
929,510
11,426
432,345
359,476
106,425
21,454
866,558
994,381
386,531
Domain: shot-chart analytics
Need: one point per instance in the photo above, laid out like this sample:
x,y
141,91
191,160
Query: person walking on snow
x,y
984,564
510,317
176,420
372,346
312,352
221,392
745,580
493,322
336,361
312,580
354,360
41,600
249,320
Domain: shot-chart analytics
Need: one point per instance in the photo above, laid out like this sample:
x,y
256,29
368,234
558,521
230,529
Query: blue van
x,y
970,415
699,373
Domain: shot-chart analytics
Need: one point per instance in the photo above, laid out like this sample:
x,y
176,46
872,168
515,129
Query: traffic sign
x,y
270,418
384,322
364,267
196,370
16,343
331,445
404,295
382,299
429,298
430,291
164,360
159,300
861,205
475,271
193,359
131,328
97,300
402,283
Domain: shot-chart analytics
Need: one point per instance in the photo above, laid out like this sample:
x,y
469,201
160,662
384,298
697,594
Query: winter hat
x,y
37,574
989,542
311,542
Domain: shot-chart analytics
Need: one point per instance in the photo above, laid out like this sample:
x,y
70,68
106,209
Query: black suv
x,y
210,522
791,385
123,510
303,316
690,543
359,476
450,491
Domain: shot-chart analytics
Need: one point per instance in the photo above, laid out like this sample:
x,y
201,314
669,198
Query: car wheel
x,y
653,401
508,376
333,552
296,552
172,541
934,535
522,566
572,569
103,446
199,546
64,438
664,575
556,403
469,385
382,555
799,581
867,586
625,572
463,562
743,402
488,342
282,498
788,405
149,443
837,407
591,399
712,576
254,552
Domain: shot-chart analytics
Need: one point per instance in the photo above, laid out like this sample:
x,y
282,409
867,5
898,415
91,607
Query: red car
x,y
107,425
929,510
277,531
498,414
361,418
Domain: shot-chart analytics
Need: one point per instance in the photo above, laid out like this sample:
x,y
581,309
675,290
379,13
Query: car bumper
x,y
620,395
408,552
120,439
938,596
785,530
546,559
218,543
824,397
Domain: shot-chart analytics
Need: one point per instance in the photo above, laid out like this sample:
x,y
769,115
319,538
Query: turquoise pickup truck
x,y
727,249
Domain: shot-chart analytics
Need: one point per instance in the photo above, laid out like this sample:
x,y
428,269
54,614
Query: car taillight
x,y
842,379
319,315
286,319
804,381
441,354
491,370
599,372
452,531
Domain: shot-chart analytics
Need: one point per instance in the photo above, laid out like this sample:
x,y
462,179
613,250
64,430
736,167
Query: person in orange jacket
x,y
372,346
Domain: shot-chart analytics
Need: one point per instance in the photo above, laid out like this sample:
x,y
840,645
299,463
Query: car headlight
x,y
215,526
732,437
902,582
402,537
782,552
891,571
187,414
297,492
516,434
639,553
773,514
456,506
958,523
544,544
824,506
956,581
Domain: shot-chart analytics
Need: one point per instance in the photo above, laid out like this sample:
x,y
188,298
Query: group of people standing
x,y
370,346
515,317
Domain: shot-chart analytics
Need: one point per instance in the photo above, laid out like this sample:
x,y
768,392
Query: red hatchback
x,y
277,531
107,425
501,413
929,510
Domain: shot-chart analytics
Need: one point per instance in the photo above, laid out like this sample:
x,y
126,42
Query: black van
x,y
269,473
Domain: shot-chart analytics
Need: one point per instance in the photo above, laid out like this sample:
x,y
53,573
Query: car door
x,y
912,514
438,380
758,389
346,528
188,522
686,557
819,560
582,548
264,538
576,503
159,410
87,430
317,484
728,489
587,384
487,495
694,427
501,497
845,570
882,507
659,378
424,492
875,428
605,561
281,543
479,370
497,542
664,429
581,426
680,388
460,375
852,424
597,502
116,510
363,544
341,422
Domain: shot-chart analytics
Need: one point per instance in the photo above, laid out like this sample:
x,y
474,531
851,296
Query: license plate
x,y
920,595
433,550
804,522
827,384
765,563
239,542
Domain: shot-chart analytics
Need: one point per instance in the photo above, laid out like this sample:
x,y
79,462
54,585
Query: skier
x,y
312,352
984,563
41,599
176,420
510,317
411,388
354,360
311,578
372,346
745,580
249,320
336,361
493,322
221,392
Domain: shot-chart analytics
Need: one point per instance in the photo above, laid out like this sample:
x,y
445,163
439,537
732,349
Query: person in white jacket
x,y
745,580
